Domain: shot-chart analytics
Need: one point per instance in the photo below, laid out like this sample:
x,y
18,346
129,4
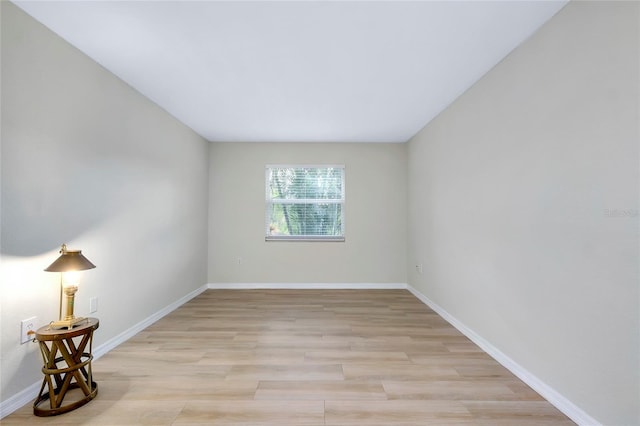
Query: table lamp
x,y
68,264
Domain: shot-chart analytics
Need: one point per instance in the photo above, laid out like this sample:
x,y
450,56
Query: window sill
x,y
302,238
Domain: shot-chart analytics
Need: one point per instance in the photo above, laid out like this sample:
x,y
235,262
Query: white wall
x,y
512,196
375,216
88,161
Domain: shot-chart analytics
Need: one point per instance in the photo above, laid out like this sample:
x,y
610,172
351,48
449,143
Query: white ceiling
x,y
300,71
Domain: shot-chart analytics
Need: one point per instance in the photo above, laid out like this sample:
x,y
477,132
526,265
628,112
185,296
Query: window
x,y
304,203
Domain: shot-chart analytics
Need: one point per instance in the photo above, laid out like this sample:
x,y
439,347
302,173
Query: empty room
x,y
320,213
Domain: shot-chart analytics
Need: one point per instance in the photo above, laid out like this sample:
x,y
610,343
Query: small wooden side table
x,y
67,365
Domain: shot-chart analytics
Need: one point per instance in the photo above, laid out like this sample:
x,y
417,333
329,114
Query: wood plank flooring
x,y
303,357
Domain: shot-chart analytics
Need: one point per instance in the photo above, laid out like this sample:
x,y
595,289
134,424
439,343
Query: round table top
x,y
87,325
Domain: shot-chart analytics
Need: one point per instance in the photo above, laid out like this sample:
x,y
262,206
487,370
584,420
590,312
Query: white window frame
x,y
269,202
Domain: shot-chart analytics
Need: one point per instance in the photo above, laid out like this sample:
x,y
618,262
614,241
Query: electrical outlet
x,y
28,329
93,305
419,268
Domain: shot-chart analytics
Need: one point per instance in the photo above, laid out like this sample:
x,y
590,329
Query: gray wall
x,y
88,161
375,216
523,207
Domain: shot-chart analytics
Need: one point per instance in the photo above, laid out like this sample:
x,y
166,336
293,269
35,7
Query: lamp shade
x,y
70,260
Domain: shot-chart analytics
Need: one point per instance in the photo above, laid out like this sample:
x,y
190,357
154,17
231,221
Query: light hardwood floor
x,y
303,357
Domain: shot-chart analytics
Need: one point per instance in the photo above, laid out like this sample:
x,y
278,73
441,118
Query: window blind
x,y
304,203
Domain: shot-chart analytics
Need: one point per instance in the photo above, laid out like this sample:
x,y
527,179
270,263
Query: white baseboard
x,y
18,400
307,286
572,411
27,395
129,333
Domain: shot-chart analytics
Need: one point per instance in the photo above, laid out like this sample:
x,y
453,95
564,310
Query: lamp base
x,y
67,323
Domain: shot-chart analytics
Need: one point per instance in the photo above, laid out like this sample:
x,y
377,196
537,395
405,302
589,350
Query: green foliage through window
x,y
305,202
